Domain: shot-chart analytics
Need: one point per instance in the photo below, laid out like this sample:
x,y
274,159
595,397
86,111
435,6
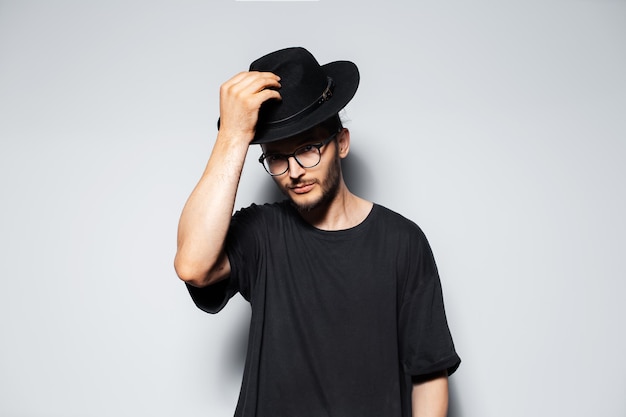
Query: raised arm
x,y
200,257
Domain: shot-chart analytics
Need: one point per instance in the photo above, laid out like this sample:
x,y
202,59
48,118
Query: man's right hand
x,y
240,100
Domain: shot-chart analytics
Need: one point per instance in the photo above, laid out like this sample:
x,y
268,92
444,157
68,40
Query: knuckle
x,y
225,88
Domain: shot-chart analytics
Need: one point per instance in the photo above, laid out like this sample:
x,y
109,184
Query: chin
x,y
305,205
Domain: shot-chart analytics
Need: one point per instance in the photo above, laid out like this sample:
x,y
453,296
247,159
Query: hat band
x,y
326,95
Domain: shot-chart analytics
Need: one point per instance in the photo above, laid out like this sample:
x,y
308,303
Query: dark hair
x,y
332,124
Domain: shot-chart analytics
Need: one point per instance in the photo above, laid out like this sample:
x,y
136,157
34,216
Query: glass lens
x,y
276,164
308,156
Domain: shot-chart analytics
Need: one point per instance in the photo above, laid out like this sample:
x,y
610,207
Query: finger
x,y
255,82
254,101
237,78
265,74
268,94
251,95
246,77
247,85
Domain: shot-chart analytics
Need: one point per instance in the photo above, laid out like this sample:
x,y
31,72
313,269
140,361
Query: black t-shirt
x,y
341,320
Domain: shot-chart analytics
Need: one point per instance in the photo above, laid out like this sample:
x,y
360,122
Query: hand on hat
x,y
240,100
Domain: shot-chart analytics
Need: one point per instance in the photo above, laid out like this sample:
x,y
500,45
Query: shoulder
x,y
251,226
264,209
395,221
399,231
264,213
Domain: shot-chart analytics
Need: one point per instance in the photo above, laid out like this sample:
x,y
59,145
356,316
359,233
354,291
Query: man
x,y
347,311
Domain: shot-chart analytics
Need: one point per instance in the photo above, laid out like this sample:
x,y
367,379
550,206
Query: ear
x,y
343,142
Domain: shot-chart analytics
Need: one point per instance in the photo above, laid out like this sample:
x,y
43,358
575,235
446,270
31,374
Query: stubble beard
x,y
330,189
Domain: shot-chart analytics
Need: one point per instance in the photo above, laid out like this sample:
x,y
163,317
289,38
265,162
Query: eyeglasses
x,y
306,156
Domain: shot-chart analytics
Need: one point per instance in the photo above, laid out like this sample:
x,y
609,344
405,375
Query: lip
x,y
302,188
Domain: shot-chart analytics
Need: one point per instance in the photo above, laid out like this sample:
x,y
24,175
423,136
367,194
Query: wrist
x,y
235,138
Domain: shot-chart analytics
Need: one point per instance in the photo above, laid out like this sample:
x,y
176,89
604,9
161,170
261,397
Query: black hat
x,y
310,92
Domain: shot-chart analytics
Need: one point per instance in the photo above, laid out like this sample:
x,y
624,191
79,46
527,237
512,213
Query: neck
x,y
343,211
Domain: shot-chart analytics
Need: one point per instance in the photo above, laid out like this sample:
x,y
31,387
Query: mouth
x,y
302,188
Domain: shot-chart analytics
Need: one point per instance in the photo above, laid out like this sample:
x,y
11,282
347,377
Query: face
x,y
309,188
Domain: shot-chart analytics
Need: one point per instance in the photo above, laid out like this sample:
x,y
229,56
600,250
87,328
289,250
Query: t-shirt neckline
x,y
348,233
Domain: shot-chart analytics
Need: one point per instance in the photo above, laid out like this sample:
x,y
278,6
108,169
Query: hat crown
x,y
302,81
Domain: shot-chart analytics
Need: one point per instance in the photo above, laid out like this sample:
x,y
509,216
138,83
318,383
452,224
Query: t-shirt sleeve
x,y
212,298
425,341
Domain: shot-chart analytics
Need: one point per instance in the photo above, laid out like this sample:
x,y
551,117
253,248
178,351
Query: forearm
x,y
430,397
206,216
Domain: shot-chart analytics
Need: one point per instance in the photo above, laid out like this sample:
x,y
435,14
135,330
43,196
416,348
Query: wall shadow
x,y
268,192
358,175
454,404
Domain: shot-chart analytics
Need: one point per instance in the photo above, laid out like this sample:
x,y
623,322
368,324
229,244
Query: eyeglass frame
x,y
317,145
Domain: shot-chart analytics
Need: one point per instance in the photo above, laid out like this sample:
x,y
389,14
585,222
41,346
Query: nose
x,y
295,170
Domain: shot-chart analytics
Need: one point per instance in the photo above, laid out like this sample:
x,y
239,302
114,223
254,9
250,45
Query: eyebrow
x,y
309,138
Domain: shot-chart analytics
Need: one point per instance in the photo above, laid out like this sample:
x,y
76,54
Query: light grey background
x,y
499,127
